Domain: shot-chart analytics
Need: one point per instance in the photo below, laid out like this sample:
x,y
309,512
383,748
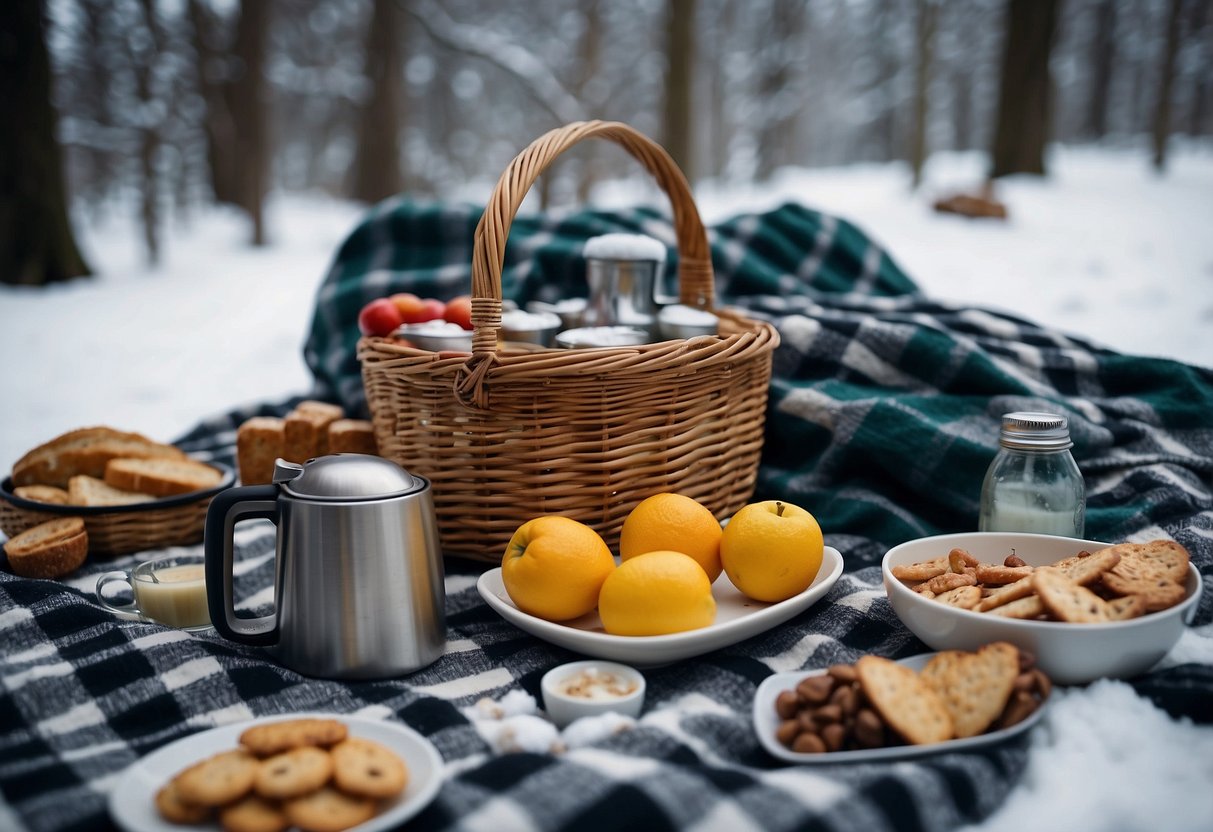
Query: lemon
x,y
656,593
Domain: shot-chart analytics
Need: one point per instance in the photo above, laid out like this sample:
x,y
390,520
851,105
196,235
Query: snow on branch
x,y
484,43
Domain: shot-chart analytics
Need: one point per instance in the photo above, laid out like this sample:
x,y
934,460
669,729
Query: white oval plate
x,y
766,721
132,802
737,618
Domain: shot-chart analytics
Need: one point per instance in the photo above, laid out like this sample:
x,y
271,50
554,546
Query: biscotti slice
x,y
90,491
306,430
48,550
161,477
85,451
43,494
259,442
352,436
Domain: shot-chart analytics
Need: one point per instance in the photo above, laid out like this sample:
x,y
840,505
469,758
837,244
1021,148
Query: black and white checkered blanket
x,y
883,412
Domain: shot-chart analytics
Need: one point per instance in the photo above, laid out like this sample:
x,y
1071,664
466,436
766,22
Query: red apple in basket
x,y
459,311
379,317
415,310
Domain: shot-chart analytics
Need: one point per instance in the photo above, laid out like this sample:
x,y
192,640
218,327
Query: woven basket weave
x,y
588,433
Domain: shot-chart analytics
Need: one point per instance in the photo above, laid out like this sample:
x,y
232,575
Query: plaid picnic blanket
x,y
883,417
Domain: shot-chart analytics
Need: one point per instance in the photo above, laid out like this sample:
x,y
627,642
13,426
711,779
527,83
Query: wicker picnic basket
x,y
505,436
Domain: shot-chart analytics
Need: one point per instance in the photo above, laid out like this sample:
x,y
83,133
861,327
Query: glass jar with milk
x,y
1033,484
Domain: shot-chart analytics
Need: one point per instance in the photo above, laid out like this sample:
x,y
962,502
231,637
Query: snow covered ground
x,y
1104,248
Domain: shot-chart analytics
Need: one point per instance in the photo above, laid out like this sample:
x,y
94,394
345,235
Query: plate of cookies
x,y
879,709
1086,609
305,771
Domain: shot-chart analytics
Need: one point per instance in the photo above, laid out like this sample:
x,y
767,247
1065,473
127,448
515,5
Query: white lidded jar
x,y
1033,484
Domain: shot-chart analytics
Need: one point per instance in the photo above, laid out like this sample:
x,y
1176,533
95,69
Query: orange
x,y
654,594
554,567
673,522
772,550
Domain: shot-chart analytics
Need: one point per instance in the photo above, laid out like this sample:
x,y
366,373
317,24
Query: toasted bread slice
x,y
352,436
43,494
84,451
48,550
259,442
90,491
306,430
161,477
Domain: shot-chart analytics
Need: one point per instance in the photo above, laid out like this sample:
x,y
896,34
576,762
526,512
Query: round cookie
x,y
293,773
364,767
328,810
275,737
219,779
175,810
253,814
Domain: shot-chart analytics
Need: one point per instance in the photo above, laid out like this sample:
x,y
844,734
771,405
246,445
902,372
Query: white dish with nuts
x,y
767,722
588,688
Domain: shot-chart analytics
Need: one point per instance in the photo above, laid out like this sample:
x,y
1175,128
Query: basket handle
x,y
695,279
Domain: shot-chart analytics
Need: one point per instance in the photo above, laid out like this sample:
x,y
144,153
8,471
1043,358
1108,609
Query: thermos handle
x,y
228,508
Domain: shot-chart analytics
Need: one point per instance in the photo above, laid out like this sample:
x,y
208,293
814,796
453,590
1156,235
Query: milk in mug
x,y
173,595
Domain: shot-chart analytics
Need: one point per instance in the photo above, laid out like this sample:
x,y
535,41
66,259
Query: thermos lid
x,y
342,477
1033,430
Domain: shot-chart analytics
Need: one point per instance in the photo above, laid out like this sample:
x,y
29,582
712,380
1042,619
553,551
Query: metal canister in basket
x,y
623,272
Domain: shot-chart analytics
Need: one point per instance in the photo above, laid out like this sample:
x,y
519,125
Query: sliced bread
x,y
352,436
43,494
90,491
48,550
85,451
259,442
161,477
306,430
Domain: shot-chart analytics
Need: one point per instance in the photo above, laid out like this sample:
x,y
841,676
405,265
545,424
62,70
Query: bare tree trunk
x,y
213,68
926,25
36,242
1023,118
252,139
680,58
1203,79
776,79
1166,80
376,170
143,60
1102,59
591,64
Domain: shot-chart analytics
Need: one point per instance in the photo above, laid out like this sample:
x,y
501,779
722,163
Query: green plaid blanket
x,y
885,405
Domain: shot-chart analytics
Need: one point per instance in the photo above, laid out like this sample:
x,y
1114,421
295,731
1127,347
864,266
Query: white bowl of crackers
x,y
1085,609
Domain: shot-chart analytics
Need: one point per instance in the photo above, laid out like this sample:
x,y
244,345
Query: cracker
x,y
1011,592
974,687
948,580
964,597
1123,609
921,571
1155,593
1065,600
366,768
905,702
328,810
176,810
217,780
1086,570
1026,608
1156,560
253,813
276,737
294,773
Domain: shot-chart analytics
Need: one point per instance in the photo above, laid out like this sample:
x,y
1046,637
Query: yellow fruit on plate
x,y
654,594
554,567
673,522
772,550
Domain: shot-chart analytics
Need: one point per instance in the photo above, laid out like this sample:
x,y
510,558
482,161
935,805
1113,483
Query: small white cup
x,y
170,590
589,688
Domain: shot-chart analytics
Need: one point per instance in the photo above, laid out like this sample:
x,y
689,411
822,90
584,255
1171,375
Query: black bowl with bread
x,y
131,492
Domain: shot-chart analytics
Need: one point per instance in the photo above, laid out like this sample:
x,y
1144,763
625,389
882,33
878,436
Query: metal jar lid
x,y
346,478
1035,431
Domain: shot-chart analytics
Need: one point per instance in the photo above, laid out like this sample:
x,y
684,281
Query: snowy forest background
x,y
167,104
